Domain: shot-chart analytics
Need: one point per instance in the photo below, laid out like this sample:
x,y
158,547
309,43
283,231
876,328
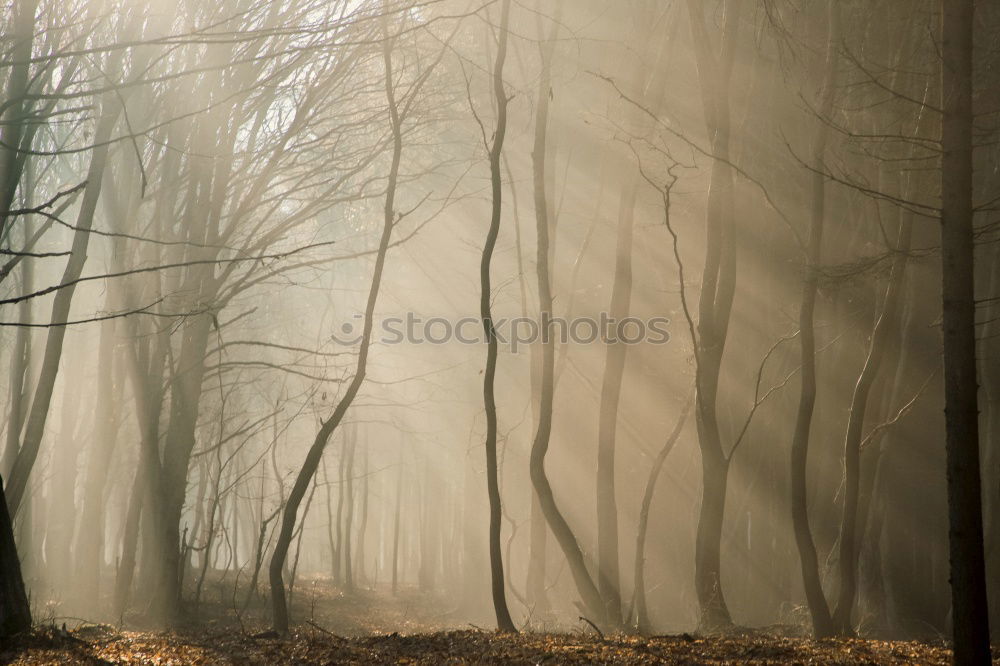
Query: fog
x,y
243,343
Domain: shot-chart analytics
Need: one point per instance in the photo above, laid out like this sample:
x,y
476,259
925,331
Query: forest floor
x,y
413,628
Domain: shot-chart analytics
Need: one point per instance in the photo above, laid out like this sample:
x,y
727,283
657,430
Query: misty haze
x,y
503,331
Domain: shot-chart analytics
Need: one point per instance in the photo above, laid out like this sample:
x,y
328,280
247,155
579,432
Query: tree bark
x,y
970,614
15,613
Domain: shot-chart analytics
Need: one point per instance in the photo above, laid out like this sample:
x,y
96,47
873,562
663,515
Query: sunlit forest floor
x,y
413,628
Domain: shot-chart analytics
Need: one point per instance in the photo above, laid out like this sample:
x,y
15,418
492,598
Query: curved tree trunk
x,y
311,464
714,309
557,523
608,580
535,583
641,612
822,619
504,621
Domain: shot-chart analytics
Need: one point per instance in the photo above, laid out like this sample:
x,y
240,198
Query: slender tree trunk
x,y
130,543
62,486
970,613
331,525
395,527
714,309
881,337
20,368
504,621
822,619
641,612
338,561
311,463
12,129
359,552
546,498
535,583
350,446
90,535
17,481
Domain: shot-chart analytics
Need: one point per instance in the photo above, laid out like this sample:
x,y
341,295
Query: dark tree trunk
x,y
970,614
822,619
504,621
15,613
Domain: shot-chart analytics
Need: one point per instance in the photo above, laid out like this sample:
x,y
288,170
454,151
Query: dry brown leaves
x,y
315,645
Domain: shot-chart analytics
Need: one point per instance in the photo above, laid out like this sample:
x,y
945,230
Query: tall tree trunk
x,y
350,446
130,543
989,372
15,120
819,610
970,613
63,482
395,527
882,336
20,368
641,612
311,463
90,535
535,583
504,621
608,580
714,308
359,552
17,482
338,560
